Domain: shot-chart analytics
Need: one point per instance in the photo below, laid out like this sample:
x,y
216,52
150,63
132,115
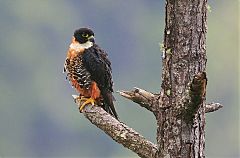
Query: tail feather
x,y
108,105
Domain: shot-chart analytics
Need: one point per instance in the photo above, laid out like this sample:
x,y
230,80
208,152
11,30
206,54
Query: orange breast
x,y
92,92
81,91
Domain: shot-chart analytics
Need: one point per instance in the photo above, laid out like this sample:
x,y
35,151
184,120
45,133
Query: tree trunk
x,y
185,56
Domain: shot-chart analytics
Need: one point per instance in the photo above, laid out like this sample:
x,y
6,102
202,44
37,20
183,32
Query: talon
x,y
82,98
75,96
89,100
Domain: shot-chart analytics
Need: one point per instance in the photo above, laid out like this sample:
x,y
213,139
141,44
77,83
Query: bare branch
x,y
118,131
141,97
212,107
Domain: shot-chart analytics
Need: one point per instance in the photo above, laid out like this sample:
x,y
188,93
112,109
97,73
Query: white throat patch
x,y
78,46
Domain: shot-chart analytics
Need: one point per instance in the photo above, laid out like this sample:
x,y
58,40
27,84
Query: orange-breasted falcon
x,y
89,71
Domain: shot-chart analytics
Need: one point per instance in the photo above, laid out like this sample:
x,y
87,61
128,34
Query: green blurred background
x,y
38,117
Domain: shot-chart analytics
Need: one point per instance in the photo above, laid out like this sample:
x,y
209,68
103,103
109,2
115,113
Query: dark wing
x,y
97,64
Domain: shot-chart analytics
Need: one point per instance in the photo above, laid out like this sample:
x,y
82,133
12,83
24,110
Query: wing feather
x,y
97,64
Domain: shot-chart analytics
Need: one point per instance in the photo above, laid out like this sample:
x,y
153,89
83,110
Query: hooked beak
x,y
91,39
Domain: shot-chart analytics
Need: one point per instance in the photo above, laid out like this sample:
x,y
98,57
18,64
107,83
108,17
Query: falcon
x,y
89,71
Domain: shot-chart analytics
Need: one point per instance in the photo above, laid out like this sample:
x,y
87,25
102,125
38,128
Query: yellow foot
x,y
87,101
80,98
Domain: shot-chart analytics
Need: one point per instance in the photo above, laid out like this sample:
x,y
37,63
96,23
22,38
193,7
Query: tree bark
x,y
184,58
180,106
118,131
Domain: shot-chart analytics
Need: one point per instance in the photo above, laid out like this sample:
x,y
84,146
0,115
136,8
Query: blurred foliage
x,y
37,115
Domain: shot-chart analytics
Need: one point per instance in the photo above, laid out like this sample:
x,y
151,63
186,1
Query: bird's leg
x,y
82,98
87,101
94,94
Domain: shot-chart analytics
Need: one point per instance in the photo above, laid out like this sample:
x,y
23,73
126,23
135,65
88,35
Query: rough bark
x,y
150,101
118,131
184,58
142,97
180,106
212,107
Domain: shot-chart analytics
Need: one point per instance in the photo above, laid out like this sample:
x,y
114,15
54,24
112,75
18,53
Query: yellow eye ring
x,y
84,35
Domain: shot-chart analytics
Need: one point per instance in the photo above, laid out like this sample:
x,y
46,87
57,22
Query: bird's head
x,y
84,36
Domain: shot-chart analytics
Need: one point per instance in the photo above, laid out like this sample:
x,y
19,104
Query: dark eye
x,y
85,35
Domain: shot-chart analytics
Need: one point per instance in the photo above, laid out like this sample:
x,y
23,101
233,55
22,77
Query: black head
x,y
84,35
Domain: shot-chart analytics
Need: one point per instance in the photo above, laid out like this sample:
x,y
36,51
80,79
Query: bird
x,y
89,71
